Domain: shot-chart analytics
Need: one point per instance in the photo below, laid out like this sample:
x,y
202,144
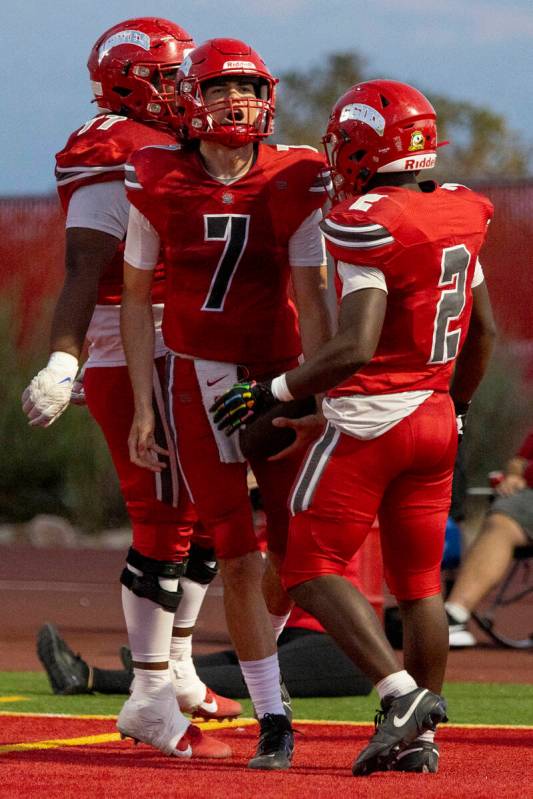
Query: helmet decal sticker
x,y
417,141
364,113
124,37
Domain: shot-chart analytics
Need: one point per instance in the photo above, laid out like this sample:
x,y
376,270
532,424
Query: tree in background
x,y
482,144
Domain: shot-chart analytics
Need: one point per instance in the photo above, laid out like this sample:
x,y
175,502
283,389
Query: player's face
x,y
228,102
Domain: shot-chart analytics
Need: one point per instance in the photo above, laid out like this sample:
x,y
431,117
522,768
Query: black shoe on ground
x,y
276,744
67,672
419,756
399,722
286,700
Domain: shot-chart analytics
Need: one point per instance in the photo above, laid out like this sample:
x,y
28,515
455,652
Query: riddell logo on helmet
x,y
420,162
245,65
410,163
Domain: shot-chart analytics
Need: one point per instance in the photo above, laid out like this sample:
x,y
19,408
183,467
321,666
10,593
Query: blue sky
x,y
478,50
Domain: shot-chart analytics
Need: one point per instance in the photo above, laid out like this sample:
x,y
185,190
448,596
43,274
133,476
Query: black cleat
x,y
276,744
398,723
418,756
67,672
286,701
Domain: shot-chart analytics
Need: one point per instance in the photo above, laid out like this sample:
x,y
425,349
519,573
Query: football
x,y
261,439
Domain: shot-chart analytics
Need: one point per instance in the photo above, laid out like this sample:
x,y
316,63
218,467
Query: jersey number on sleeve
x,y
107,121
454,265
233,229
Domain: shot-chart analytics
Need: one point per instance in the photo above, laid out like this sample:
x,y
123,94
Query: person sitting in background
x,y
508,524
308,659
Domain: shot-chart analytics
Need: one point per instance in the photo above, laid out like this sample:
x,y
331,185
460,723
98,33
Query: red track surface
x,y
476,763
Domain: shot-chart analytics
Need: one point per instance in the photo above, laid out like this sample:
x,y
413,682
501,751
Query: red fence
x,y
31,250
507,258
31,257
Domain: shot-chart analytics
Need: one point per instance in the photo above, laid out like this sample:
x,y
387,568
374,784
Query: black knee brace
x,y
199,567
147,585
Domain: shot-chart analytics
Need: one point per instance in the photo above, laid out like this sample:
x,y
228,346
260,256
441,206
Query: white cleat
x,y
200,701
158,722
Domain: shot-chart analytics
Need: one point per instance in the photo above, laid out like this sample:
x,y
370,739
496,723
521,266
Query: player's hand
x,y
307,429
461,410
142,447
241,404
77,395
511,484
48,394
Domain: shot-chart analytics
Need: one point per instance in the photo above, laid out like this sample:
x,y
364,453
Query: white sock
x,y
262,680
428,735
457,612
278,623
396,684
149,627
190,603
149,683
189,688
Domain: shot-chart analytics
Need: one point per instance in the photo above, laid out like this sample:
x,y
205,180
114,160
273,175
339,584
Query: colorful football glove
x,y
243,403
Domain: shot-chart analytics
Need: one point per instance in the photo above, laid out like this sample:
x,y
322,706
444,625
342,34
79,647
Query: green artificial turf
x,y
469,703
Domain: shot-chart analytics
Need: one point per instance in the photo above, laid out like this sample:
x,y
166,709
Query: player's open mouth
x,y
236,116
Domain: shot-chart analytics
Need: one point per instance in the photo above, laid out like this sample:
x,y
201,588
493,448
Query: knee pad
x,y
202,566
147,584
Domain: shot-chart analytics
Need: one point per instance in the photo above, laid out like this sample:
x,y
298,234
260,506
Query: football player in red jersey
x,y
238,219
413,307
133,69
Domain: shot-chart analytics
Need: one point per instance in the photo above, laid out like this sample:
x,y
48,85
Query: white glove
x,y
48,394
77,396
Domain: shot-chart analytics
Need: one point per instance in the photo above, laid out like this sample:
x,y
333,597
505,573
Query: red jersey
x,y
96,153
226,249
426,244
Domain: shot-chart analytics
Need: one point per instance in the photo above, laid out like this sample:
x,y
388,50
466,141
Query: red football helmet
x,y
133,68
379,126
225,59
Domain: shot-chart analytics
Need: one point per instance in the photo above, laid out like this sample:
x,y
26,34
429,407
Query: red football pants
x,y
161,513
219,490
404,477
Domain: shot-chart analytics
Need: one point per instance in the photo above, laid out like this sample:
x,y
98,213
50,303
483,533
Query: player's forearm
x,y
316,328
474,357
352,347
88,253
315,316
472,363
335,362
73,313
137,330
